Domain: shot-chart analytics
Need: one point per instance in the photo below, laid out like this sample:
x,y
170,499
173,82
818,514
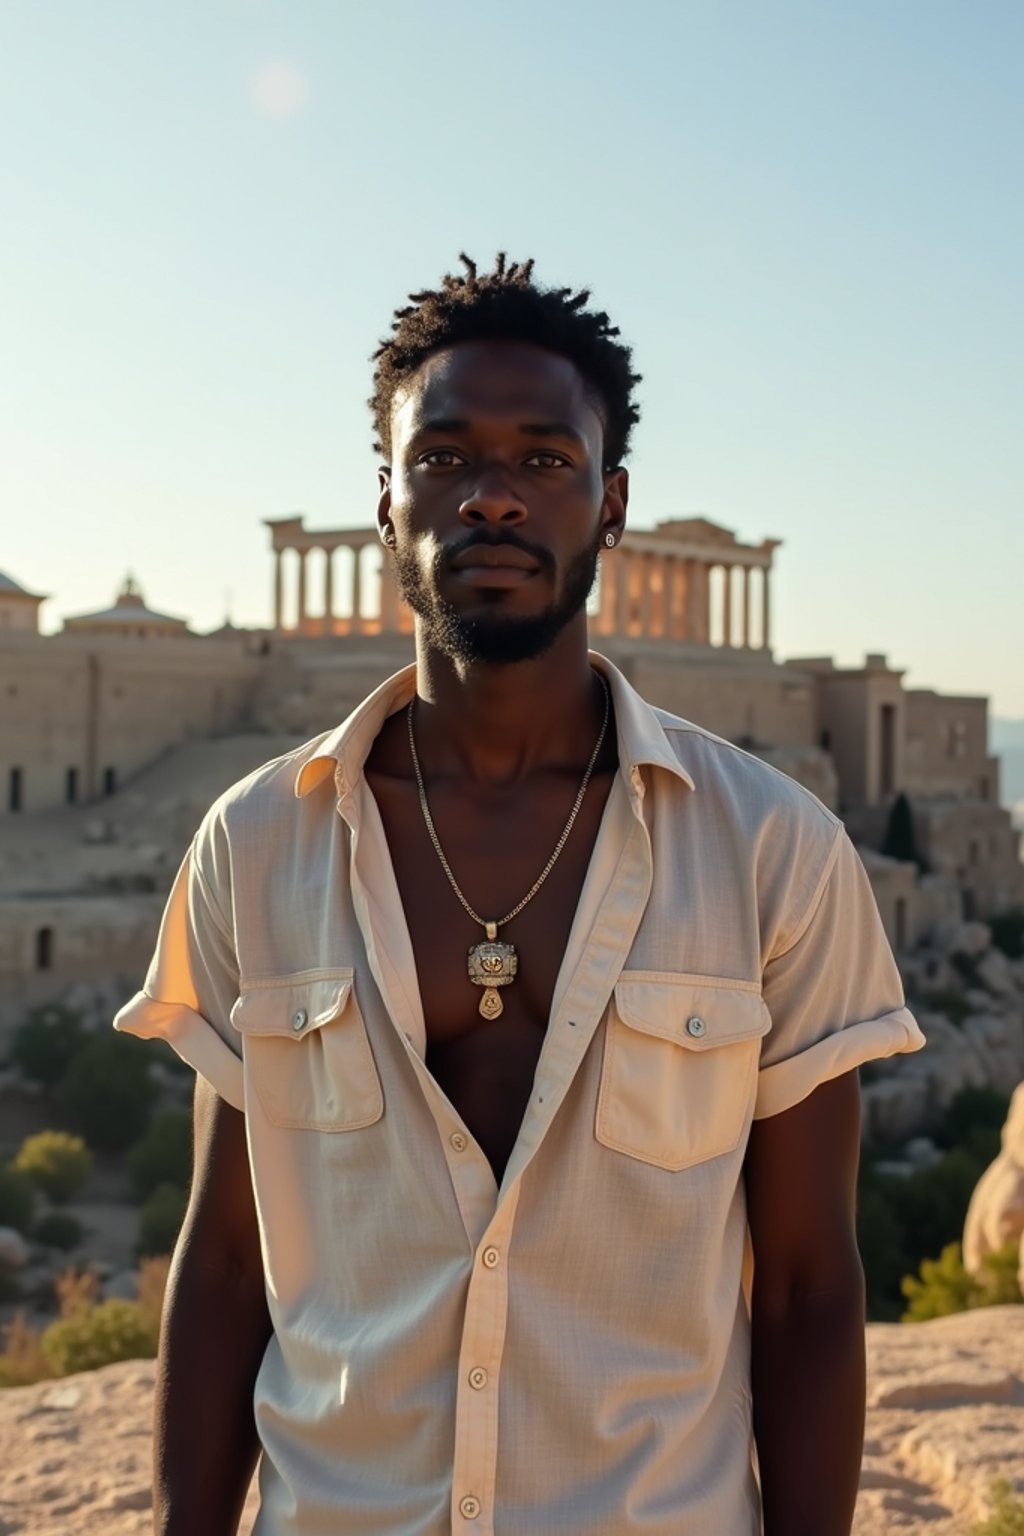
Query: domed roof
x,y
129,609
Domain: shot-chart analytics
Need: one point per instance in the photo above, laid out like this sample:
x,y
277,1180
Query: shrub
x,y
1008,932
1007,1517
946,1287
974,1122
22,1361
10,1286
98,1335
58,1229
949,1001
998,1276
902,1219
164,1155
107,1091
57,1163
153,1274
76,1291
17,1197
46,1042
160,1220
882,1251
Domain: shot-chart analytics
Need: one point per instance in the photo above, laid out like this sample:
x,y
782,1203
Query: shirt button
x,y
478,1378
458,1141
299,1021
469,1507
491,1258
696,1027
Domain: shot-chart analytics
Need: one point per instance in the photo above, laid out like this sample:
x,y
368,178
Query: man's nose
x,y
493,500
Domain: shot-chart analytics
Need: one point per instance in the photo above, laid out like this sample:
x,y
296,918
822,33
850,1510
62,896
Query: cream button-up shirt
x,y
569,1351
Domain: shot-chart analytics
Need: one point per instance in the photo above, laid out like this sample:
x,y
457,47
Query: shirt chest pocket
x,y
306,1052
680,1067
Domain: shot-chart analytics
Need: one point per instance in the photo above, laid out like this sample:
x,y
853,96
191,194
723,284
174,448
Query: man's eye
x,y
440,458
544,460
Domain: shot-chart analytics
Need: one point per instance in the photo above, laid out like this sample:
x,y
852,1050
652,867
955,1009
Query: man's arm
x,y
808,1311
215,1331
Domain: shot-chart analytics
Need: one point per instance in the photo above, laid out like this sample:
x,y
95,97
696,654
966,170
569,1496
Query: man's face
x,y
498,498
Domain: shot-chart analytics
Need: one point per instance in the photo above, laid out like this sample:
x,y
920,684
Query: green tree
x,y
160,1220
17,1199
58,1229
164,1155
57,1163
44,1045
900,839
1008,932
107,1092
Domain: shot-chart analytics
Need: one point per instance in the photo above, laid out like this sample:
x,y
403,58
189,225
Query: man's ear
x,y
384,499
616,499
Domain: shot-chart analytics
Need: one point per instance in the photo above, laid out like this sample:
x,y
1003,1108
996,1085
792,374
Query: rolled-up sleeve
x,y
192,983
832,989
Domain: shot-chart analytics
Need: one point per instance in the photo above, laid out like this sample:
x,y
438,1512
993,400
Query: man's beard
x,y
496,639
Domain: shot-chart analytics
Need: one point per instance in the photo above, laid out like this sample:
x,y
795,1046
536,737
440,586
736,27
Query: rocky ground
x,y
945,1418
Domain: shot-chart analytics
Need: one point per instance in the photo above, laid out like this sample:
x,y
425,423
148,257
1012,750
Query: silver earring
x,y
388,537
609,539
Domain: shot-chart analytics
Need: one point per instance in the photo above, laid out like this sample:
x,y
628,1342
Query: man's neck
x,y
497,724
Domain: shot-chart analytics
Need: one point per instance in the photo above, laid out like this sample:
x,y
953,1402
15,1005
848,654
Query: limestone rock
x,y
993,971
995,1215
971,939
945,1418
14,1251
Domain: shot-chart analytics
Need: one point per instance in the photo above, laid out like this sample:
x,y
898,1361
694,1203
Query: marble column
x,y
645,604
300,618
766,610
661,617
388,596
746,607
604,619
623,590
699,584
727,571
279,589
328,624
357,590
679,599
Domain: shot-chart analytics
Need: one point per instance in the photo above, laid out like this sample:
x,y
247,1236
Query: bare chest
x,y
496,846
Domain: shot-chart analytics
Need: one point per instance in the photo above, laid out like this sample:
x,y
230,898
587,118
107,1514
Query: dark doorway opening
x,y
44,949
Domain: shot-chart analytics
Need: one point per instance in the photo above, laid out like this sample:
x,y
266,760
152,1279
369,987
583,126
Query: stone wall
x,y
79,716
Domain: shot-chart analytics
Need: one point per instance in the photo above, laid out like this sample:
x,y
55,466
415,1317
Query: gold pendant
x,y
492,965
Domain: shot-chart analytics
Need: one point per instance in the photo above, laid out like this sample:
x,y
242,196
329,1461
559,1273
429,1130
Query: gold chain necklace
x,y
492,964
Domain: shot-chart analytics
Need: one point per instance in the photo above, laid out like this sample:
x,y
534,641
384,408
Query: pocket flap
x,y
293,1007
699,1013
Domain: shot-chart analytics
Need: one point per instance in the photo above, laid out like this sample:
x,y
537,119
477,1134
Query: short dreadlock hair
x,y
506,305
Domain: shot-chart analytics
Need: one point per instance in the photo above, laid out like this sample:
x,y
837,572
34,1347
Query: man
x,y
523,1014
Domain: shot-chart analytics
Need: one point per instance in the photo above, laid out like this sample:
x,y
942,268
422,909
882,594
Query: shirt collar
x,y
342,753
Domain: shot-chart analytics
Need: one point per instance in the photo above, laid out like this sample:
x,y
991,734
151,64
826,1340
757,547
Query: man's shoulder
x,y
736,780
267,794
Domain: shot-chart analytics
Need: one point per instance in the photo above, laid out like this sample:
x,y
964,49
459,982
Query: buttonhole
x,y
572,1023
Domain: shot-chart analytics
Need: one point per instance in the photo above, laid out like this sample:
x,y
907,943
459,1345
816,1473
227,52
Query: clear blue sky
x,y
808,219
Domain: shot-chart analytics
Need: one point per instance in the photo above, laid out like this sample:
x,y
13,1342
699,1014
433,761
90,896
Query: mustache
x,y
481,540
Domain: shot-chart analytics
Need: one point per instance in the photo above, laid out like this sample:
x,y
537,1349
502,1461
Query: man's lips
x,y
494,557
